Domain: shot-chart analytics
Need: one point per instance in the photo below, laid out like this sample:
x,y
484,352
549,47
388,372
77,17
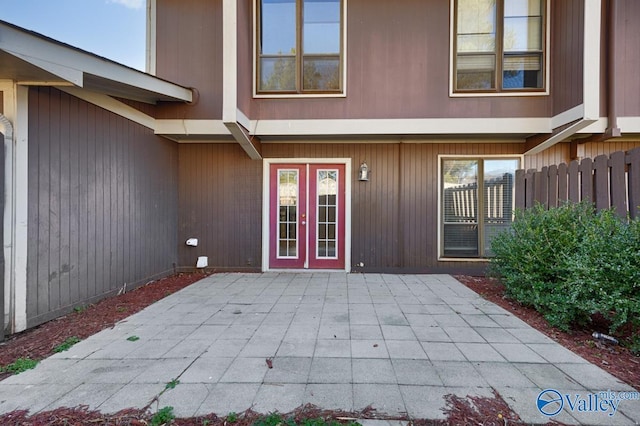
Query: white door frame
x,y
266,175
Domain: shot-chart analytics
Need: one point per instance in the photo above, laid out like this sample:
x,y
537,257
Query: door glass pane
x,y
326,235
288,213
499,192
460,207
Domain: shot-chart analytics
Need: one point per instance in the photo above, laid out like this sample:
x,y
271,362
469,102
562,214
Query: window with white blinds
x,y
499,45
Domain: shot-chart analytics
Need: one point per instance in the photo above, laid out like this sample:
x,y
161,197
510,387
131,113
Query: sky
x,y
115,29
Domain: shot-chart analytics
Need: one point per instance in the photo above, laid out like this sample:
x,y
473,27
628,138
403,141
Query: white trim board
x,y
112,105
409,126
266,166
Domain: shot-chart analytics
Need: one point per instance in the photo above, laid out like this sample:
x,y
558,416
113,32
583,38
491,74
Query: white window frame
x,y
509,93
442,157
343,59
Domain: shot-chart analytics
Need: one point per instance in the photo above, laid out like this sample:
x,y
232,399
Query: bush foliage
x,y
572,262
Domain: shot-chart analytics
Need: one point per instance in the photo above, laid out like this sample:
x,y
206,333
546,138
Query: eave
x,y
29,58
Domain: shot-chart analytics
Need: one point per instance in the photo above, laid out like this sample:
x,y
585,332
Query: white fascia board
x,y
191,127
626,125
112,105
560,136
568,116
401,126
629,124
598,126
591,63
229,60
152,19
72,64
243,120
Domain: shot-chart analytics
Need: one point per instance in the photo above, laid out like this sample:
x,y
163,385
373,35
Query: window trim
x,y
440,234
343,61
499,92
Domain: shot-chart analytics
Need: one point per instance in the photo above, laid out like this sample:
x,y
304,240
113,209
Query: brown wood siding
x,y
628,58
189,52
221,205
567,40
1,102
102,203
398,67
395,214
559,153
593,149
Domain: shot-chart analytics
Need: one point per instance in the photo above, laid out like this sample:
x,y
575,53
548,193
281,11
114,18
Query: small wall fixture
x,y
363,173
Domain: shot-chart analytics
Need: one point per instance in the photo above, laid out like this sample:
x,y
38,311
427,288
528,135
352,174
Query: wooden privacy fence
x,y
608,181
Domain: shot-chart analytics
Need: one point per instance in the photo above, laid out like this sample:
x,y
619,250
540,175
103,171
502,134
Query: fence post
x,y
520,189
562,183
574,182
618,184
529,181
553,186
586,179
633,160
601,182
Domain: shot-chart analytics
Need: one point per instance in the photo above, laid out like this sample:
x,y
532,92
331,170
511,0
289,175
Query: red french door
x,y
307,216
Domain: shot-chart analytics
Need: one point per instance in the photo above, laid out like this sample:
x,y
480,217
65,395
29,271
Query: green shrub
x,y
570,263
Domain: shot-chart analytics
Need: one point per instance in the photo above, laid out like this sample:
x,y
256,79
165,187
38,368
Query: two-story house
x,y
353,135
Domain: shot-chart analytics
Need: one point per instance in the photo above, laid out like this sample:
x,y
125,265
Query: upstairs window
x,y
499,45
299,46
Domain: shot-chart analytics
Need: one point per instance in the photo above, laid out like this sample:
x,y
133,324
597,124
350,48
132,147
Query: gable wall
x,y
102,204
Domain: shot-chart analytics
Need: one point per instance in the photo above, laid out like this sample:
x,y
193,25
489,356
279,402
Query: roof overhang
x,y
30,58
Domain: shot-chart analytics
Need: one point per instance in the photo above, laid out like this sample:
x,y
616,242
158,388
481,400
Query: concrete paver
x,y
399,343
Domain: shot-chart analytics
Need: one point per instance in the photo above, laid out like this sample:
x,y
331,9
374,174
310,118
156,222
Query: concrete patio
x,y
397,342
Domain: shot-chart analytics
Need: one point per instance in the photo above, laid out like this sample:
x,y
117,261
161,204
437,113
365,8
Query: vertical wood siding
x,y
189,52
221,205
397,67
628,58
102,204
395,214
397,64
567,39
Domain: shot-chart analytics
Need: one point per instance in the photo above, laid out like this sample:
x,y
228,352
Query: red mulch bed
x,y
39,342
616,360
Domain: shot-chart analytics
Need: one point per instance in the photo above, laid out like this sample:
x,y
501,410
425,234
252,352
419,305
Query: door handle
x,y
303,216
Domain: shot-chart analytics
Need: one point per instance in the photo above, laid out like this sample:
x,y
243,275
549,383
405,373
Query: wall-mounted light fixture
x,y
363,173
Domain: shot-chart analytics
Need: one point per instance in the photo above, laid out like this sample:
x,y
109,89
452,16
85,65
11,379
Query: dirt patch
x,y
616,360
